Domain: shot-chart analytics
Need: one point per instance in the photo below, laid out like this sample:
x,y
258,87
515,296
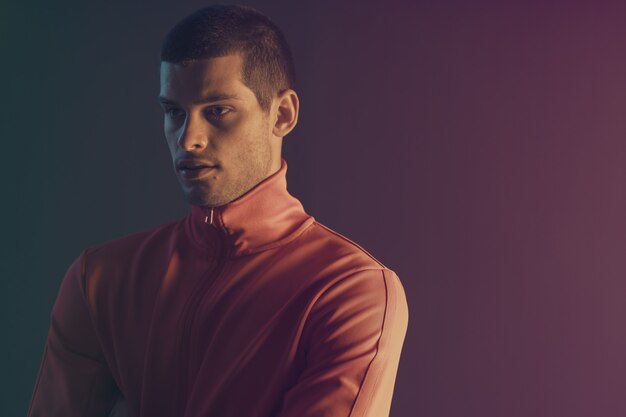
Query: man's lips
x,y
194,169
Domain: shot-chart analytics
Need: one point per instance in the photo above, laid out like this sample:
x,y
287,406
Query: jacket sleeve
x,y
353,336
74,379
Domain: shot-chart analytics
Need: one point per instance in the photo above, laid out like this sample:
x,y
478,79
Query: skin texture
x,y
212,117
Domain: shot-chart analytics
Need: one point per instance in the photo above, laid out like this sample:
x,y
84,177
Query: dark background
x,y
476,148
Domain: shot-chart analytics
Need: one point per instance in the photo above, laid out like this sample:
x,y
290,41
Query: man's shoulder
x,y
127,245
326,243
345,270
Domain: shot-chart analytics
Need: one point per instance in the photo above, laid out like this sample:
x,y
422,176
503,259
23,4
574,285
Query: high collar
x,y
263,217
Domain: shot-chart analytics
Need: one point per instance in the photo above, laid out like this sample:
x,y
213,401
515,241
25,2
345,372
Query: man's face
x,y
217,133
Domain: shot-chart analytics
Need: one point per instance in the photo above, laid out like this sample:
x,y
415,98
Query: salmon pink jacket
x,y
250,309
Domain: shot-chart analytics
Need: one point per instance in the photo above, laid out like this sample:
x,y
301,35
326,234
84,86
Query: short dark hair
x,y
221,30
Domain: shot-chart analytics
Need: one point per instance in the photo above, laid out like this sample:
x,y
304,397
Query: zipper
x,y
209,217
185,345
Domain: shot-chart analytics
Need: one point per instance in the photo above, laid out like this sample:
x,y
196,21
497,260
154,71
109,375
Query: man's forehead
x,y
202,78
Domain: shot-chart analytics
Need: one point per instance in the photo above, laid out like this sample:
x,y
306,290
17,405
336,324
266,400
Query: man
x,y
247,307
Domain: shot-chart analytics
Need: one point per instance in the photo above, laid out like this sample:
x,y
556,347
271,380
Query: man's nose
x,y
194,135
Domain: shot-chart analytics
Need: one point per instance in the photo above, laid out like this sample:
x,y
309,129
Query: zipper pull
x,y
208,219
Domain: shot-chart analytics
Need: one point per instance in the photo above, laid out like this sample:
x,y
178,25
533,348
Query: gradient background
x,y
476,148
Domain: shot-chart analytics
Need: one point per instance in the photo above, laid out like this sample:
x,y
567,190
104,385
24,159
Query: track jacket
x,y
250,309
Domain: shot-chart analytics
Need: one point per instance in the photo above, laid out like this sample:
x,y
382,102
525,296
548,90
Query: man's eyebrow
x,y
208,99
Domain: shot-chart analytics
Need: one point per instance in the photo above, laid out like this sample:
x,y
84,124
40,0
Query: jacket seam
x,y
324,291
339,235
369,366
42,366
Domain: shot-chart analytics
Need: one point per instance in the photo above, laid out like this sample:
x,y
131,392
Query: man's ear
x,y
287,106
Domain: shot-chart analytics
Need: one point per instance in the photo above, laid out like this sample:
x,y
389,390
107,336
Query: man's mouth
x,y
194,170
193,167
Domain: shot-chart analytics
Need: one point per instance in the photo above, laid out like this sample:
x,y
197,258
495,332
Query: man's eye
x,y
174,112
217,111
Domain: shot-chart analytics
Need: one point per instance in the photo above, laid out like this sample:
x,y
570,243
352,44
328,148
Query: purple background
x,y
476,148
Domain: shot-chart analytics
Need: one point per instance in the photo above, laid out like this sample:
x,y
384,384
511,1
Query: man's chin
x,y
202,199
